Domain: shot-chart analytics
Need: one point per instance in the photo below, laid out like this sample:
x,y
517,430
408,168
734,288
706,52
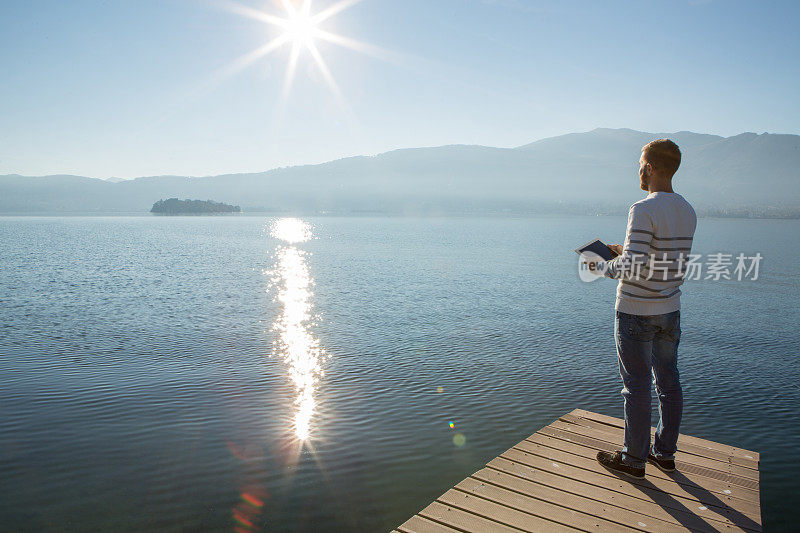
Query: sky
x,y
151,87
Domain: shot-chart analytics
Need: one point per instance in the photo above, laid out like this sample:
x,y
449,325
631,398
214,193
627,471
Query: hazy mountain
x,y
596,170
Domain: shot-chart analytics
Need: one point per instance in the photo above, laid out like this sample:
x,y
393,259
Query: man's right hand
x,y
616,248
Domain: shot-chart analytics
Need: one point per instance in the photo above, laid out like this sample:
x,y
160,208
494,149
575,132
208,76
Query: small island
x,y
173,206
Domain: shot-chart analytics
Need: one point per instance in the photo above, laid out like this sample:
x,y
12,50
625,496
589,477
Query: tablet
x,y
597,248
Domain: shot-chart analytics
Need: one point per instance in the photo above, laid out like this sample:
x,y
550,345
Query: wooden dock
x,y
551,481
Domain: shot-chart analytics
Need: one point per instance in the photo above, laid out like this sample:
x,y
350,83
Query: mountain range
x,y
595,172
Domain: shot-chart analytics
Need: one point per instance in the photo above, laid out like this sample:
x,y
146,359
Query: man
x,y
647,330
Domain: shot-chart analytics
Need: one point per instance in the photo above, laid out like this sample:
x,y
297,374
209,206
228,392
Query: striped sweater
x,y
653,261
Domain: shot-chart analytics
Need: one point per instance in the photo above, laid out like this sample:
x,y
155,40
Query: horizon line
x,y
298,165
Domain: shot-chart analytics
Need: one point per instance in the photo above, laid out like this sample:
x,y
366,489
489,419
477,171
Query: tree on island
x,y
173,206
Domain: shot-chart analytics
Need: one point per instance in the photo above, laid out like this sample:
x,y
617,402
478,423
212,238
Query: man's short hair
x,y
663,155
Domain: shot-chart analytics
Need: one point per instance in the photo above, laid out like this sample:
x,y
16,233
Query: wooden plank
x,y
538,507
595,443
419,524
719,496
531,481
506,515
646,491
687,447
711,445
584,470
721,487
701,465
567,508
462,520
582,456
552,481
725,448
692,449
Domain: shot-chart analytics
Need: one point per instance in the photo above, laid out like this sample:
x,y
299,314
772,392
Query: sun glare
x,y
299,27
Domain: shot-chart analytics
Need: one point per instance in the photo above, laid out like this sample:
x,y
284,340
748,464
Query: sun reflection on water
x,y
295,343
291,230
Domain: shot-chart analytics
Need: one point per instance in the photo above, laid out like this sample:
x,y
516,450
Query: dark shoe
x,y
667,465
613,462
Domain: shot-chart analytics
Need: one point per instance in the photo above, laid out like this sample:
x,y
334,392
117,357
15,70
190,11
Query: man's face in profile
x,y
643,172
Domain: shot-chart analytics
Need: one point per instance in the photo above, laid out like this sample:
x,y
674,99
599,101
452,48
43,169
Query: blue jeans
x,y
647,347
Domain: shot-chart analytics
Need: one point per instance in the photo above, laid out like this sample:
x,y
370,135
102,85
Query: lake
x,y
259,373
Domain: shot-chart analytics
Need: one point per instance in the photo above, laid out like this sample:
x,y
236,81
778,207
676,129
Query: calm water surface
x,y
252,373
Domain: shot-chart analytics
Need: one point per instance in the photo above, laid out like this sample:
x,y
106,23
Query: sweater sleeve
x,y
635,251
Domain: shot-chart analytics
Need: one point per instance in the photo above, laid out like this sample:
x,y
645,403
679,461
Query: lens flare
x,y
252,500
298,26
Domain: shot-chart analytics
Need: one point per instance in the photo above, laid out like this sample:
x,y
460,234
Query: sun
x,y
299,28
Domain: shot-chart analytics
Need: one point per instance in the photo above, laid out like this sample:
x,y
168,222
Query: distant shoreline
x,y
380,214
743,176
